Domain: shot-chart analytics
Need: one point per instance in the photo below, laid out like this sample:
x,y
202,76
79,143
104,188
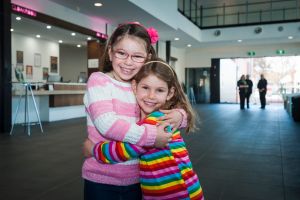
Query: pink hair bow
x,y
153,34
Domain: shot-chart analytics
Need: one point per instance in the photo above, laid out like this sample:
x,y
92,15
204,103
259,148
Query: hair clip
x,y
153,34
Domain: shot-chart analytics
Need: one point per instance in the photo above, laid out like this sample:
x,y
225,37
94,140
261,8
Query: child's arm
x,y
111,152
114,152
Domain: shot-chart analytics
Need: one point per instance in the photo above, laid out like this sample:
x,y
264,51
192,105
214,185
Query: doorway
x,y
281,72
198,84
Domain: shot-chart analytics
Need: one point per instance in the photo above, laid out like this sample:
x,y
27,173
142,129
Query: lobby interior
x,y
237,154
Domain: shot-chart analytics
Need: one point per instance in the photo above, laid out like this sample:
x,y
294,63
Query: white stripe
x,y
134,134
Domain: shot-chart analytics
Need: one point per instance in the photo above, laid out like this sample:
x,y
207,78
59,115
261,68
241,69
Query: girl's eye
x,y
161,90
145,87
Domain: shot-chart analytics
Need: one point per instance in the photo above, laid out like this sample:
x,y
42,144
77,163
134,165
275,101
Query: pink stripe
x,y
191,180
97,79
176,195
118,130
158,172
100,79
125,109
112,151
100,107
94,135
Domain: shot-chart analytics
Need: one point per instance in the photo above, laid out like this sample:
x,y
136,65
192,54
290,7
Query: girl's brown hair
x,y
166,73
130,29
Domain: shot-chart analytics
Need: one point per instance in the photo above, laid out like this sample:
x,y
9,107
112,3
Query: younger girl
x,y
112,114
165,173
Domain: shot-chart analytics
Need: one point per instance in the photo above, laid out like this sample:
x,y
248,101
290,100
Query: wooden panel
x,y
68,87
95,51
65,100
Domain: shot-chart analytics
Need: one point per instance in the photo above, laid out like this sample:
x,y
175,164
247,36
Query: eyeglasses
x,y
123,55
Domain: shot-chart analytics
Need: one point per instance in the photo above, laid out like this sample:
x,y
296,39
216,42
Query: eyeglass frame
x,y
126,55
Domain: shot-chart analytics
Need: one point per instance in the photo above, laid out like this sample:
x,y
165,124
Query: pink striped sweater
x,y
112,113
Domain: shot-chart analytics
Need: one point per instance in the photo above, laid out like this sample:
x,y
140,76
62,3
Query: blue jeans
x,y
99,191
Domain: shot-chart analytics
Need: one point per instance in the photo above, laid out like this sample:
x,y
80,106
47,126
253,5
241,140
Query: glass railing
x,y
248,13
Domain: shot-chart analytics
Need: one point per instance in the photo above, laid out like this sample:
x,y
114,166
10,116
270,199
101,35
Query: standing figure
x,y
262,88
249,90
242,85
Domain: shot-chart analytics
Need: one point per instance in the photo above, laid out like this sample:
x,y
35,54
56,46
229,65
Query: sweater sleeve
x,y
100,103
114,151
183,123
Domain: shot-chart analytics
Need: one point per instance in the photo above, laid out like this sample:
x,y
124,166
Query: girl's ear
x,y
134,86
110,53
171,93
149,56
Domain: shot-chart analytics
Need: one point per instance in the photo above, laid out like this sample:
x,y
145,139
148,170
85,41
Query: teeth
x,y
149,103
126,71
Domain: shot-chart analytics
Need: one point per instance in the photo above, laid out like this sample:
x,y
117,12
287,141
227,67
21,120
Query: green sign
x,y
280,51
251,53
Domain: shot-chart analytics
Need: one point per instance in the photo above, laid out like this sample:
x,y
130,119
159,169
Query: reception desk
x,y
62,101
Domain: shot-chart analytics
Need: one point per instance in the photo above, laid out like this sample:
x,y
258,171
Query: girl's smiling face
x,y
151,94
127,57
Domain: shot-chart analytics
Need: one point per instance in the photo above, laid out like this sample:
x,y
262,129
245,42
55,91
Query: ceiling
x,y
126,11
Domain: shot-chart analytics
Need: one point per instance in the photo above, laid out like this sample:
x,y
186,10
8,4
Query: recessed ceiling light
x,y
290,37
49,27
98,4
176,38
73,34
60,41
78,45
240,40
11,29
189,45
18,18
38,36
89,38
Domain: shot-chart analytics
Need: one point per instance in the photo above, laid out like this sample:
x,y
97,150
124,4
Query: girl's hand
x,y
162,137
173,117
87,148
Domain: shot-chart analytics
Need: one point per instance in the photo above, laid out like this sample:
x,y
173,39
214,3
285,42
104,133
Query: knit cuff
x,y
183,123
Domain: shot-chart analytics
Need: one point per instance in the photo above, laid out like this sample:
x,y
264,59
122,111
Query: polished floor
x,y
238,154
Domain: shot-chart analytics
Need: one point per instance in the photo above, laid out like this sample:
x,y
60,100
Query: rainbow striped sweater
x,y
165,173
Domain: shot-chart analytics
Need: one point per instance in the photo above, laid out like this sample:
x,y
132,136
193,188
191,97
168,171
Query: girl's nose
x,y
128,60
151,94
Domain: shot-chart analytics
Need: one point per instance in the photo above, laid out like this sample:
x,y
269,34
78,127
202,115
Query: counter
x,y
65,101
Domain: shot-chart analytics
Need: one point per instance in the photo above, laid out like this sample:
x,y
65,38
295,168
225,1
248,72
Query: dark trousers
x,y
248,99
98,191
242,100
262,97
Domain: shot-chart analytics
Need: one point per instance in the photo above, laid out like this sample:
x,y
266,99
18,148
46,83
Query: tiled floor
x,y
238,155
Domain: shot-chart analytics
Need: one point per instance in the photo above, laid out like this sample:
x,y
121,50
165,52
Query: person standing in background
x,y
262,88
249,90
242,85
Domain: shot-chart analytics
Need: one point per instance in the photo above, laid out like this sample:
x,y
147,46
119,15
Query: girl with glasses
x,y
112,113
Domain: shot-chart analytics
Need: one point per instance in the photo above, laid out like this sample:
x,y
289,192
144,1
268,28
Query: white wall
x,y
30,46
201,57
73,60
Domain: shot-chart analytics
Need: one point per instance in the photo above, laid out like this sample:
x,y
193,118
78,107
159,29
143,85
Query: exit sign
x,y
251,53
280,51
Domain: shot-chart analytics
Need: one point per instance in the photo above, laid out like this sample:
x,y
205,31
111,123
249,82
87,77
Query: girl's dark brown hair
x,y
130,29
163,71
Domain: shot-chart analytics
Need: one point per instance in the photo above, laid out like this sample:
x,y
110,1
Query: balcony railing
x,y
265,12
